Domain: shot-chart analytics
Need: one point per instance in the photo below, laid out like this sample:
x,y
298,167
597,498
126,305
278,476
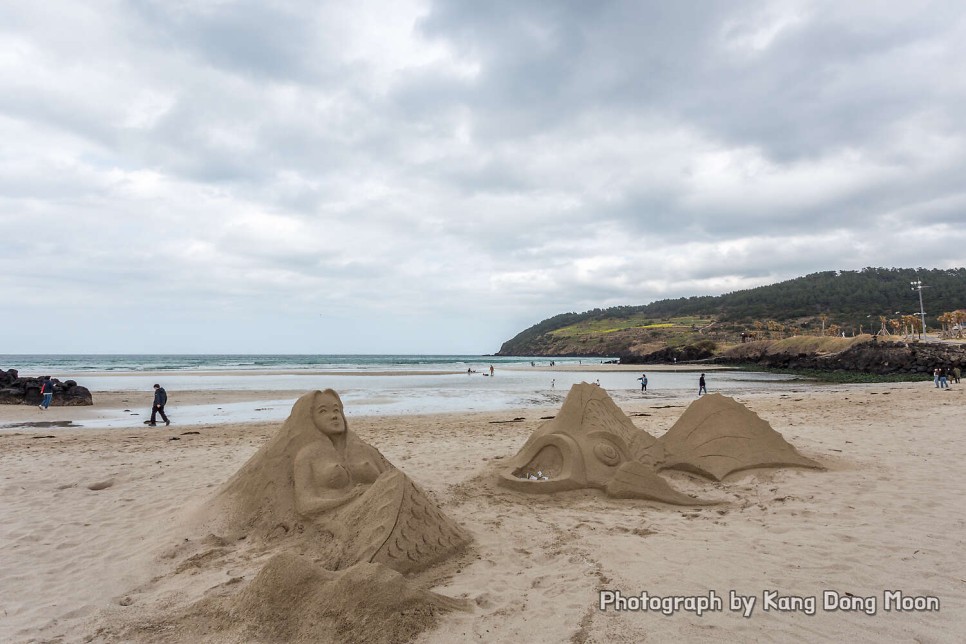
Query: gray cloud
x,y
463,168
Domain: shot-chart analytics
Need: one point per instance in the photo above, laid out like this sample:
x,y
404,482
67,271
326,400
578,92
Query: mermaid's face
x,y
328,415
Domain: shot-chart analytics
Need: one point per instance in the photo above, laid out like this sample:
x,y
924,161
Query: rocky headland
x,y
866,356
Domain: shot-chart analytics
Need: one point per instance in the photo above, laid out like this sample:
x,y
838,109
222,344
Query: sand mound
x,y
592,443
717,435
318,489
293,600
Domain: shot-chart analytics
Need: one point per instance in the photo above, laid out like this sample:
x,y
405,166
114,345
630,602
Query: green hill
x,y
848,301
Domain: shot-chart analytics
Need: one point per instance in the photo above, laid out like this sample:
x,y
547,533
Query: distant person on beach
x,y
957,372
47,389
643,380
491,370
943,378
935,377
702,389
160,400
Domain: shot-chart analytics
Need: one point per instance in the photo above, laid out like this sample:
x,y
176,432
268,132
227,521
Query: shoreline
x,y
124,399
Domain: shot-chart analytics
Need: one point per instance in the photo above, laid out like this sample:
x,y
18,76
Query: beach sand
x,y
91,521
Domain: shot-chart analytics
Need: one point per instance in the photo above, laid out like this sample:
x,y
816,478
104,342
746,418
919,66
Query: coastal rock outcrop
x,y
15,390
699,351
876,357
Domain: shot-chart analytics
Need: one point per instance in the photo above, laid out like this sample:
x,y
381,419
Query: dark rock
x,y
879,358
666,355
76,396
15,390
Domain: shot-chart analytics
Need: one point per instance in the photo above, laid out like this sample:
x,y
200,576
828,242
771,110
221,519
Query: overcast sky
x,y
264,176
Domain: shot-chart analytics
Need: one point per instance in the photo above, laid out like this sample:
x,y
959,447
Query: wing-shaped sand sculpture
x,y
592,443
718,435
321,489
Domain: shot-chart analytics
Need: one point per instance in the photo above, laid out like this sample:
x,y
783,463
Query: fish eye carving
x,y
606,453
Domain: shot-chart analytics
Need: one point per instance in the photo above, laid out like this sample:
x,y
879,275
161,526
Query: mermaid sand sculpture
x,y
335,531
592,443
320,490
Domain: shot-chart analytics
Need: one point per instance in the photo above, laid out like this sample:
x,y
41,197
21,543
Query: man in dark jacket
x,y
160,400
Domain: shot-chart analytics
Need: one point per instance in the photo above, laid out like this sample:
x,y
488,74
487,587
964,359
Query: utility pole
x,y
917,286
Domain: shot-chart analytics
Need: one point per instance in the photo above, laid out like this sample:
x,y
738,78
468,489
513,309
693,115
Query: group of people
x,y
941,376
472,370
702,387
160,400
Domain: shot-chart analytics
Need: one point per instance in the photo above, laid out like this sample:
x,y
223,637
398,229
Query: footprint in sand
x,y
101,485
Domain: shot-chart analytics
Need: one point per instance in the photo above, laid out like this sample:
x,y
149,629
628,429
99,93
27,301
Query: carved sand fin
x,y
399,526
635,480
717,435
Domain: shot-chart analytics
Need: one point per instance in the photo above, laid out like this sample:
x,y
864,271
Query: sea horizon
x,y
138,362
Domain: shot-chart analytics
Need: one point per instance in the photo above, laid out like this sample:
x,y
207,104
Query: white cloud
x,y
465,169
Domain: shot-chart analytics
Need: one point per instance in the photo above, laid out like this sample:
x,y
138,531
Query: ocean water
x,y
367,384
30,365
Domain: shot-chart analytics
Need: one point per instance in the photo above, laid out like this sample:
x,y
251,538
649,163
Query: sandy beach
x,y
92,520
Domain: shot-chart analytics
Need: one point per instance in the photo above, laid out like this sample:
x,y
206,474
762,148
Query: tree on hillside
x,y
946,320
959,319
896,325
759,329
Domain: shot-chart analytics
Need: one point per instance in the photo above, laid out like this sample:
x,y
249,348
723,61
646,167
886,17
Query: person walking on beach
x,y
160,400
491,370
701,386
643,380
47,390
943,378
957,372
935,377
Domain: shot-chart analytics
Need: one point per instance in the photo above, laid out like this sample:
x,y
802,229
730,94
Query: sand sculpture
x,y
318,487
333,530
592,443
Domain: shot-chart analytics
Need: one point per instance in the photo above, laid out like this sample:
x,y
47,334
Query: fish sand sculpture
x,y
321,491
592,443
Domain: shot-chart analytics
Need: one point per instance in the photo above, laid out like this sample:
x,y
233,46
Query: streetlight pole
x,y
917,286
